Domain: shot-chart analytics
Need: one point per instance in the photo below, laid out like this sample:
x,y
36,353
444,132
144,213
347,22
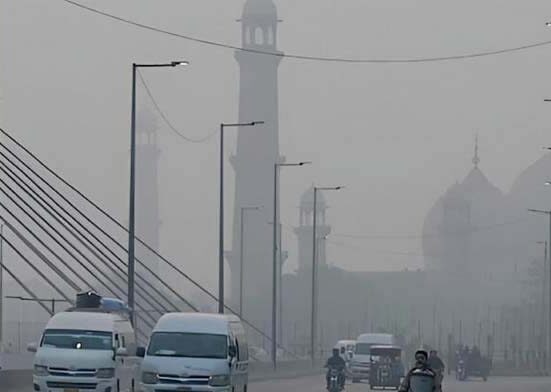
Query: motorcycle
x,y
461,371
335,380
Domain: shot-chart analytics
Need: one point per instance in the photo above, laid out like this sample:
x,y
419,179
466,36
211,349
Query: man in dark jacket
x,y
421,366
436,364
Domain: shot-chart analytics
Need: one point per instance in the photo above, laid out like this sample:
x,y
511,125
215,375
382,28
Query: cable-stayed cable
x,y
118,224
112,270
308,57
43,203
35,268
24,286
95,225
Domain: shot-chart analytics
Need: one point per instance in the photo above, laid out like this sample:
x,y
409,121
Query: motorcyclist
x,y
436,364
336,362
421,363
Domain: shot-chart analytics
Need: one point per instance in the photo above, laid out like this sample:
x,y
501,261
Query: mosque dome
x,y
468,208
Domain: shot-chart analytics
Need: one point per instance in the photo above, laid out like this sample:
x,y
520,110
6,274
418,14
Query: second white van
x,y
195,352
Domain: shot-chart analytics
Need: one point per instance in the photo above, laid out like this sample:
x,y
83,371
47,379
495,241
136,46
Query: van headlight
x,y
105,373
40,370
219,381
150,378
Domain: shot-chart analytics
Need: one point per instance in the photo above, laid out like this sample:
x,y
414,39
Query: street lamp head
x,y
305,163
175,63
257,123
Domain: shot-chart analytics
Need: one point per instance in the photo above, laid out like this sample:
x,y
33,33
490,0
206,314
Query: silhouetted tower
x,y
304,230
257,152
147,188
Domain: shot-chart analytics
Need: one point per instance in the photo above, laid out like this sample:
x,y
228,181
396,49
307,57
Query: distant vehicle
x,y
87,348
361,361
387,369
195,352
346,348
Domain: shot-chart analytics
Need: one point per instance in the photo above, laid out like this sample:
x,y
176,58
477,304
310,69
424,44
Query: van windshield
x,y
77,339
363,348
190,345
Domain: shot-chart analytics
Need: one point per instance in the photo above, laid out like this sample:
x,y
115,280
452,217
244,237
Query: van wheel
x,y
133,386
245,388
118,385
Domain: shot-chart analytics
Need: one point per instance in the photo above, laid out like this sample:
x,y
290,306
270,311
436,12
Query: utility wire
x,y
474,229
117,223
167,121
307,57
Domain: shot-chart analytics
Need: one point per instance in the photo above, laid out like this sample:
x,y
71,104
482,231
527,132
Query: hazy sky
x,y
396,135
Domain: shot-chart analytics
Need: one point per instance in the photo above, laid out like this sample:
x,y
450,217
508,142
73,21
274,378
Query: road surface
x,y
316,384
502,384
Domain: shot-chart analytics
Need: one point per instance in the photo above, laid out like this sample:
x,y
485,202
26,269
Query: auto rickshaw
x,y
386,367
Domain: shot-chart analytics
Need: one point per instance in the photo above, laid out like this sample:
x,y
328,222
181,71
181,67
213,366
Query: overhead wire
x,y
167,121
335,59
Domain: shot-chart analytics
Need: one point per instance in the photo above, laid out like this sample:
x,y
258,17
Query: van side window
x,y
238,333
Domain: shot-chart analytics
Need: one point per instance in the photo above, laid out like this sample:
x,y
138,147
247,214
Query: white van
x,y
195,352
360,363
346,347
85,350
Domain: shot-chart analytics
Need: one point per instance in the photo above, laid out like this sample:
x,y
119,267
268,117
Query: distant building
x,y
257,152
462,232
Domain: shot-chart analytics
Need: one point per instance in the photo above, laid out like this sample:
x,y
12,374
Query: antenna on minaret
x,y
476,158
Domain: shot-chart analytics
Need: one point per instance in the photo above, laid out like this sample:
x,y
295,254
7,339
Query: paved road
x,y
316,384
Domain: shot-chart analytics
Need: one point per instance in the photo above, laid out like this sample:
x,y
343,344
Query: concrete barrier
x,y
16,380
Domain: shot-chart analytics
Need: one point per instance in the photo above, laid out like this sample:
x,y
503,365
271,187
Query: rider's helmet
x,y
336,352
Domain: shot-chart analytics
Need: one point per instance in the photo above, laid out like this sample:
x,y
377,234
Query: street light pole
x,y
277,167
544,285
548,213
132,193
314,316
221,305
241,254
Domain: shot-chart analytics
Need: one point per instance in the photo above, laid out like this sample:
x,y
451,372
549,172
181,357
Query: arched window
x,y
258,36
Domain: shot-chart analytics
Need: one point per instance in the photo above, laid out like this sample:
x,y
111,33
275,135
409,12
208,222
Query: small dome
x,y
307,198
260,7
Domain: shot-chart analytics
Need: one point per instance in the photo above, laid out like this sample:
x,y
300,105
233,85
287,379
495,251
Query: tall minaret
x,y
257,152
305,229
147,188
